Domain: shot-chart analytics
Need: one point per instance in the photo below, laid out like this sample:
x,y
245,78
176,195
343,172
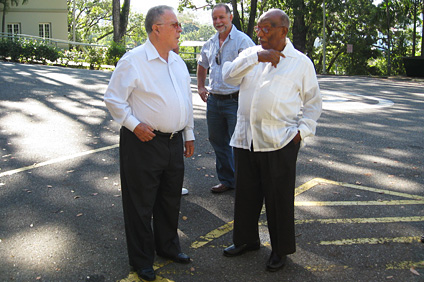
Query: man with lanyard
x,y
222,98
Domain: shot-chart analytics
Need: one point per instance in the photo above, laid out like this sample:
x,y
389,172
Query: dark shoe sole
x,y
175,259
274,269
221,190
247,249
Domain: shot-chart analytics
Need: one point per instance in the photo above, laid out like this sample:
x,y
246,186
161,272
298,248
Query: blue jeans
x,y
222,118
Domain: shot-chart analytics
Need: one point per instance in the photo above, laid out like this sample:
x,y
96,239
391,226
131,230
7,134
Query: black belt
x,y
167,135
226,96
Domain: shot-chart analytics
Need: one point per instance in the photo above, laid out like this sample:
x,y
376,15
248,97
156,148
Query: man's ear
x,y
284,31
155,29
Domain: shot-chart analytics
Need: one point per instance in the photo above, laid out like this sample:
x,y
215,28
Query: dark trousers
x,y
269,175
151,178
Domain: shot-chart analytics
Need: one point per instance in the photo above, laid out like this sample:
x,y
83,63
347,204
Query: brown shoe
x,y
220,188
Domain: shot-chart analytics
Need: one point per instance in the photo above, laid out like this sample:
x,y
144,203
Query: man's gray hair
x,y
153,16
227,9
285,21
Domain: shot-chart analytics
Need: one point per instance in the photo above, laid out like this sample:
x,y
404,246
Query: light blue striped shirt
x,y
235,42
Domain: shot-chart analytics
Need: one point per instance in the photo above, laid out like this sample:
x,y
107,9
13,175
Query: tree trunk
x,y
120,19
299,28
236,15
252,17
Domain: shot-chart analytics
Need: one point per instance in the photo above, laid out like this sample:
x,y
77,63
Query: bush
x,y
114,53
20,50
94,56
47,52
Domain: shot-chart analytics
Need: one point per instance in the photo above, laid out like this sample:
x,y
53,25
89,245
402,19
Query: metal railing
x,y
58,43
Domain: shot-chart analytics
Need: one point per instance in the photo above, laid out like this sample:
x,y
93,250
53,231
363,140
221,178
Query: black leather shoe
x,y
234,250
180,258
147,274
274,262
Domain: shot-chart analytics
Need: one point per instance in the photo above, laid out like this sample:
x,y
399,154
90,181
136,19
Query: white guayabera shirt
x,y
145,88
274,103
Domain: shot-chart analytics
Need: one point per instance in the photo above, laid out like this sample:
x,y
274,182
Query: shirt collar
x,y
153,54
230,35
289,50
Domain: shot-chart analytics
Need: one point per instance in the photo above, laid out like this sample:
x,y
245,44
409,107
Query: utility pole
x,y
73,21
323,37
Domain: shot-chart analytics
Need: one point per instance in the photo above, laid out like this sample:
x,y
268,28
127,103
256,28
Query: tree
x,y
92,19
6,6
120,19
248,7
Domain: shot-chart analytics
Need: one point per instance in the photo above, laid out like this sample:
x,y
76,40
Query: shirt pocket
x,y
274,132
281,85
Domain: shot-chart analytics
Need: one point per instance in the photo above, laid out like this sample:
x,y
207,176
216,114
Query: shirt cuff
x,y
304,131
188,135
131,123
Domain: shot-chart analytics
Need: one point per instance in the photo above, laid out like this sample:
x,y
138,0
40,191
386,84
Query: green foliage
x,y
20,50
114,53
94,56
72,56
93,19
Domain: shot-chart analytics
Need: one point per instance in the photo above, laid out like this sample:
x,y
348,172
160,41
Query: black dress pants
x,y
151,178
269,175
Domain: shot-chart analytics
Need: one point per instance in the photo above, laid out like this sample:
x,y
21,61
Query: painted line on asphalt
x,y
392,266
361,220
371,241
405,265
226,228
316,181
357,203
133,276
214,234
57,160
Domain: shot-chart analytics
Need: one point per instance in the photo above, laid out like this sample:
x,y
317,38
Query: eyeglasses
x,y
218,57
176,25
264,29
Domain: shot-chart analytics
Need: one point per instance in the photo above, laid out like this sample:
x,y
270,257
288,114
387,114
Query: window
x,y
44,30
14,28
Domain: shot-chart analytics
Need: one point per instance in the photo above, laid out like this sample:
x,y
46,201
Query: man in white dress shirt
x,y
279,105
149,95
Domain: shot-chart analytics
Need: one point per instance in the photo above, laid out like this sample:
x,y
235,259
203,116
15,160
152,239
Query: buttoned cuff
x,y
131,123
188,135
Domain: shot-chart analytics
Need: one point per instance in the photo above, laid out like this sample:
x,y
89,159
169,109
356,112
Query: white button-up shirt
x,y
145,88
270,109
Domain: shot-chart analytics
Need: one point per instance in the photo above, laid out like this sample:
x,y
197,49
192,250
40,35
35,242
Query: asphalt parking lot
x,y
359,196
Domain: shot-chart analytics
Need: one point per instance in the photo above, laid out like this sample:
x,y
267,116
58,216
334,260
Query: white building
x,y
43,18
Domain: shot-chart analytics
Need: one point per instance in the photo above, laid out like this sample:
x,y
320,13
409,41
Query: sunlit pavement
x,y
359,196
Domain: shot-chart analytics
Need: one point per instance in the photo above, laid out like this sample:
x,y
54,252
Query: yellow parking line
x,y
405,265
362,220
357,203
305,187
57,160
365,188
326,268
214,234
371,241
133,277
